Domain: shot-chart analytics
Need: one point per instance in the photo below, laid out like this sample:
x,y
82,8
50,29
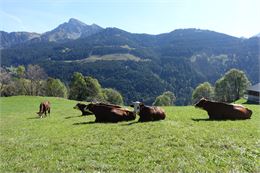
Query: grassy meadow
x,y
186,141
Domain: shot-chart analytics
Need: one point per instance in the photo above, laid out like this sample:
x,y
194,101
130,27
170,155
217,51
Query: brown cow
x,y
44,108
219,110
148,113
110,113
81,107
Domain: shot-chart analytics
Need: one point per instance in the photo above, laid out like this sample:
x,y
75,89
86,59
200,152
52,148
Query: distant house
x,y
253,93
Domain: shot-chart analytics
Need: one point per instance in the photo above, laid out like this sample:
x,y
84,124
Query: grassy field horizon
x,y
186,141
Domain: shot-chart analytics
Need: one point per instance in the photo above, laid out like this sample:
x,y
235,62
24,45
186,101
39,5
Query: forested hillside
x,y
143,66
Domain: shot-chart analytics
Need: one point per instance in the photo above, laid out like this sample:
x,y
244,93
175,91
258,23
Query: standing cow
x,y
219,110
45,107
148,113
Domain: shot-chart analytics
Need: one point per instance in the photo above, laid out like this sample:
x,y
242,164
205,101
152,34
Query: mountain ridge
x,y
142,66
71,30
14,38
257,35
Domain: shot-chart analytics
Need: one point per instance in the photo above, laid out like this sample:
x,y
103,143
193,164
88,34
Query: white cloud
x,y
11,19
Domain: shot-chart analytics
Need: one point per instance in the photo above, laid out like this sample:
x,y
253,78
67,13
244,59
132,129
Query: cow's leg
x,y
97,120
44,110
215,116
210,116
40,108
142,119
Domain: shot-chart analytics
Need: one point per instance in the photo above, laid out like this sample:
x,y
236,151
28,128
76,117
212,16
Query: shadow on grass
x,y
94,122
202,119
31,118
135,122
83,123
131,123
207,119
69,117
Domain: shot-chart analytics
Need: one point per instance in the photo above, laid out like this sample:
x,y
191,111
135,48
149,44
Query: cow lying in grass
x,y
110,113
148,113
82,107
219,110
44,108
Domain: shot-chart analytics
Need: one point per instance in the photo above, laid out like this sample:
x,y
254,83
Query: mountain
x,y
71,30
257,35
14,38
141,66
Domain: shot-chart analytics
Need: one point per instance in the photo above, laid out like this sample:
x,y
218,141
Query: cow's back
x,y
151,113
109,113
159,113
219,110
241,112
47,104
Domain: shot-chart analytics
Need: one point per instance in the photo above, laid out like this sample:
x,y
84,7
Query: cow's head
x,y
79,106
76,106
39,113
201,103
89,107
137,106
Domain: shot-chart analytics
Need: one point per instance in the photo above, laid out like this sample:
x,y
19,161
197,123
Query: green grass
x,y
111,57
65,142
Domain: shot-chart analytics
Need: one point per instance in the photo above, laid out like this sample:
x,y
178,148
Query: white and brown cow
x,y
148,113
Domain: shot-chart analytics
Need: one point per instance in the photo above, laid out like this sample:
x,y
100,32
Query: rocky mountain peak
x,y
74,21
71,30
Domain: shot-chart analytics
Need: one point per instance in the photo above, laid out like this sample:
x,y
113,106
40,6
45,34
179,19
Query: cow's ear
x,y
141,104
203,99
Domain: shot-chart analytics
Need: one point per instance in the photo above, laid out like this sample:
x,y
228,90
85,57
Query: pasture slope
x,y
65,142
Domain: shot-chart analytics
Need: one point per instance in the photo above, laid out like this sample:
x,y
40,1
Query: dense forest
x,y
142,66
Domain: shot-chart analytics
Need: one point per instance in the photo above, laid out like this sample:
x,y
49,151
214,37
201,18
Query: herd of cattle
x,y
114,113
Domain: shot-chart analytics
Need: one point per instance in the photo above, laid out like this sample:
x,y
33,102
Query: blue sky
x,y
233,17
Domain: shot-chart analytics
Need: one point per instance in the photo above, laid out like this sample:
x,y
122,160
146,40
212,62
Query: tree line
x,y
229,88
33,81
